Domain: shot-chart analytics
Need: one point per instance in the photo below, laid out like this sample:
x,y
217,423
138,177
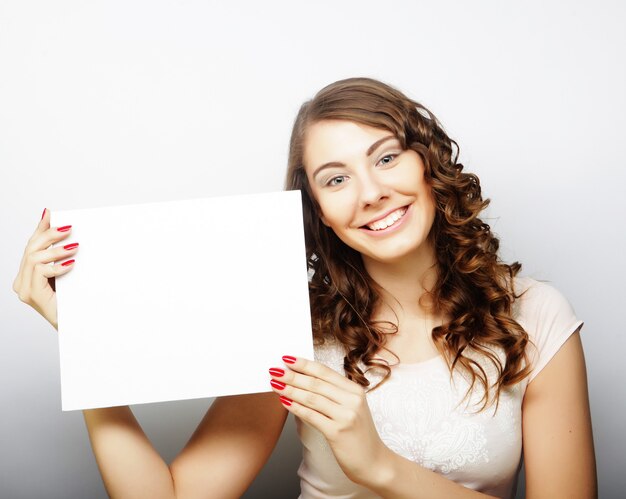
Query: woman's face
x,y
371,192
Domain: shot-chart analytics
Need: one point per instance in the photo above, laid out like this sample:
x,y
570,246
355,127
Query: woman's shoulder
x,y
546,315
539,301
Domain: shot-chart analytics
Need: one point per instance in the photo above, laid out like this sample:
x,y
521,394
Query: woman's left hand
x,y
335,406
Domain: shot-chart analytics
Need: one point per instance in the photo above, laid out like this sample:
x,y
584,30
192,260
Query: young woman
x,y
436,364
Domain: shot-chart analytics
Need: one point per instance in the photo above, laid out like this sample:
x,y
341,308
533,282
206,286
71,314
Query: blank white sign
x,y
181,300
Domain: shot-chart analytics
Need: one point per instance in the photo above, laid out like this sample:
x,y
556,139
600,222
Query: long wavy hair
x,y
473,287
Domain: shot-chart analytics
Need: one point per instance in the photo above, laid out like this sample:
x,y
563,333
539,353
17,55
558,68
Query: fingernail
x,y
69,262
285,400
288,359
44,212
70,246
276,371
279,385
65,228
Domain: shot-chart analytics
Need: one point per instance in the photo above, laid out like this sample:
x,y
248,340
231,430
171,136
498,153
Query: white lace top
x,y
420,414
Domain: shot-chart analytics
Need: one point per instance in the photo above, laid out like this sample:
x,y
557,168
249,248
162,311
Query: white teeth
x,y
388,220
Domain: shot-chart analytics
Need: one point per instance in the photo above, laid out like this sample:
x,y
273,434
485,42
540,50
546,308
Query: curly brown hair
x,y
473,287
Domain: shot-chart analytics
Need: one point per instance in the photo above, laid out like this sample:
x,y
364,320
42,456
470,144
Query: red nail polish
x,y
69,262
279,385
288,359
65,228
44,212
276,371
285,400
70,246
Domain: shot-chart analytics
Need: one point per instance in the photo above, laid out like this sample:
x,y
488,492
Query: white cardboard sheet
x,y
181,300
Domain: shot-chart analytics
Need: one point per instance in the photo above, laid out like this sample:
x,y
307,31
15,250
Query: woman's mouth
x,y
389,221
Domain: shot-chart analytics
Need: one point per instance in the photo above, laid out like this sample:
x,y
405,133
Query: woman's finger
x,y
310,416
43,271
36,271
41,226
312,400
308,383
318,370
45,236
55,254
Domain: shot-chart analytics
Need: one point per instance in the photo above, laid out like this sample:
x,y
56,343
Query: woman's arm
x,y
558,443
129,464
223,456
229,447
401,478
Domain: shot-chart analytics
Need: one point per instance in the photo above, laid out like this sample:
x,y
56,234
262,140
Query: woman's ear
x,y
324,221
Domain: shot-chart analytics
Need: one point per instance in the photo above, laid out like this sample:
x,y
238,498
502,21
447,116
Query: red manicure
x,y
279,385
276,371
69,262
288,359
285,400
44,212
70,246
64,228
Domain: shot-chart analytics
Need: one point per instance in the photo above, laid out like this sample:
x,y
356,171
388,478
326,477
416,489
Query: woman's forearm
x,y
400,478
129,464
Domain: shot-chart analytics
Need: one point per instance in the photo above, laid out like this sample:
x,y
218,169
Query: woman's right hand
x,y
34,283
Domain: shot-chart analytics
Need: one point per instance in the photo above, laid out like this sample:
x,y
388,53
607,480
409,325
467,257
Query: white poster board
x,y
181,300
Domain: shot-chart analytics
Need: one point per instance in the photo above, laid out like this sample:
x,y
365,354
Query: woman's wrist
x,y
379,475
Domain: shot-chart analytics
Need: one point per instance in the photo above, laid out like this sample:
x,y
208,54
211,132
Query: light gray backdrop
x,y
117,102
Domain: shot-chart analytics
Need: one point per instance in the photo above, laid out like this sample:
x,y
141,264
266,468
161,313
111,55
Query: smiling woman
x,y
411,303
391,154
436,364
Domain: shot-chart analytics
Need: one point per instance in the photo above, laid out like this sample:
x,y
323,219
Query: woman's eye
x,y
336,180
385,160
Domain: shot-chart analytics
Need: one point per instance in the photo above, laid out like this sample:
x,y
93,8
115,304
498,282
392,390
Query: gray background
x,y
118,102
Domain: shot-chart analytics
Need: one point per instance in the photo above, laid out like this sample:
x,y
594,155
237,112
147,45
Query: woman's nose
x,y
372,190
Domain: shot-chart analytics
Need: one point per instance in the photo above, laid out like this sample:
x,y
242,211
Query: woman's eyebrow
x,y
369,152
376,144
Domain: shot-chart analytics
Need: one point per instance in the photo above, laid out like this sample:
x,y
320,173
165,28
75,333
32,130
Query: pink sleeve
x,y
549,320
